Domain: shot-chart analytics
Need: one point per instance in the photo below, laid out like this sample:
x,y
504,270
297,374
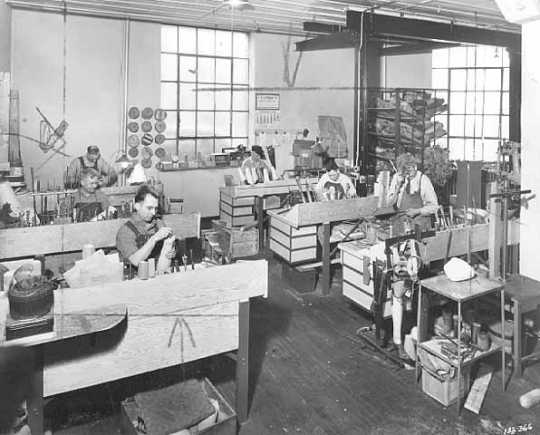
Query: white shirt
x,y
325,191
419,181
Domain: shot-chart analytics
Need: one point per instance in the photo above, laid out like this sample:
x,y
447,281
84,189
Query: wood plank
x,y
495,234
327,211
478,389
276,187
203,304
51,239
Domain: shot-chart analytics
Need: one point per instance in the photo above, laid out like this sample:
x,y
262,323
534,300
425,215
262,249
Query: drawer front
x,y
353,261
299,256
242,201
364,300
287,229
356,278
236,221
236,211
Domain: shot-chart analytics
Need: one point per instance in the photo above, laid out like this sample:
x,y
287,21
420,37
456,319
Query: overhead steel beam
x,y
385,25
418,48
318,27
328,42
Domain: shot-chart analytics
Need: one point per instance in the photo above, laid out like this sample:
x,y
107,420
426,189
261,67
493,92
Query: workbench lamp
x,y
123,162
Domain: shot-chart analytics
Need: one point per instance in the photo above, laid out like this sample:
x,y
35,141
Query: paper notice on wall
x,y
4,121
333,136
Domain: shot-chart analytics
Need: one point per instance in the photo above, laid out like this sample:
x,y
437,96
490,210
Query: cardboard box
x,y
225,424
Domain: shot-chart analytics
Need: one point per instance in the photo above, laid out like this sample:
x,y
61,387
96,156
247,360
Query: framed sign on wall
x,y
266,101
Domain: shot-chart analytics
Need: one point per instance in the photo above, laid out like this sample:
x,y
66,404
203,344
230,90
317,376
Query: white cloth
x,y
419,181
248,171
323,190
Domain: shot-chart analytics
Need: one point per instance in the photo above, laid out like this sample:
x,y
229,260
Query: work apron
x,y
141,239
411,201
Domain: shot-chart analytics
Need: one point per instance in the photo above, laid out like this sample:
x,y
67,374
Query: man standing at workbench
x,y
92,159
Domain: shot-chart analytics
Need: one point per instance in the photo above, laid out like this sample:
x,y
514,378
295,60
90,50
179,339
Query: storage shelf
x,y
433,347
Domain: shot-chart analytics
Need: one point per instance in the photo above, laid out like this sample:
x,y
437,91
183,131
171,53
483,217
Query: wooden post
x,y
326,259
242,363
259,206
495,234
35,401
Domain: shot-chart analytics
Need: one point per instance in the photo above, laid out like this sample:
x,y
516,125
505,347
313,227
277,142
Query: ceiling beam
x,y
328,42
318,27
386,25
417,48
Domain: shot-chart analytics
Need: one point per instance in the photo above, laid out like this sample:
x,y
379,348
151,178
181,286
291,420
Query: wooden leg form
x,y
35,401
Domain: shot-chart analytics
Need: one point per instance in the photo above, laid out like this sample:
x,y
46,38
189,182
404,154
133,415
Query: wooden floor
x,y
310,375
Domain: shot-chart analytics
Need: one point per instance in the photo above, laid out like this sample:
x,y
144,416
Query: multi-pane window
x,y
478,80
204,88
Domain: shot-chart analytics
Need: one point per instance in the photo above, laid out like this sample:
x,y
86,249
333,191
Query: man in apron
x,y
92,159
90,202
145,236
413,195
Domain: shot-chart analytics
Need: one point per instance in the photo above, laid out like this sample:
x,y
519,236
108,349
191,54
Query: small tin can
x,y
143,270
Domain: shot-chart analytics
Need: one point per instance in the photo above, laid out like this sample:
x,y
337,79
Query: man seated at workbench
x,y
92,159
91,204
144,236
333,184
256,168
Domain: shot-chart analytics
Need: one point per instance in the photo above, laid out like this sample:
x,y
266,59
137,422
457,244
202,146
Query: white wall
x,y
408,71
5,37
530,149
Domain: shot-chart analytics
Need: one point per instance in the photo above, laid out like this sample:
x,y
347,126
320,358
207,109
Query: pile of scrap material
x,y
416,126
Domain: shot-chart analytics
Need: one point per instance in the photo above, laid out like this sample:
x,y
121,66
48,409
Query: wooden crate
x,y
445,392
236,243
294,245
225,424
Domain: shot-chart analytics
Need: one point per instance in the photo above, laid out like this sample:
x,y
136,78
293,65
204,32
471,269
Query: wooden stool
x,y
525,296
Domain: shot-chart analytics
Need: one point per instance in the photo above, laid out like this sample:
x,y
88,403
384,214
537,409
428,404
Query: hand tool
x,y
297,179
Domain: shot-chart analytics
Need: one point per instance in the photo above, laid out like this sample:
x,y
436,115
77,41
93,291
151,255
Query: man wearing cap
x,y
256,169
92,159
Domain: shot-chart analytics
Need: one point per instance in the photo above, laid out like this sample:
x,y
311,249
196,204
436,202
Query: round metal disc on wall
x,y
133,140
160,126
147,113
147,139
160,152
146,126
147,153
133,152
146,163
133,127
133,112
160,115
159,139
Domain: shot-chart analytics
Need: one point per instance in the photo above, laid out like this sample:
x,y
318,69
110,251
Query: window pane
x,y
169,39
170,149
440,58
471,153
205,99
186,150
171,132
506,79
239,124
440,78
187,40
490,150
505,57
206,69
504,127
205,123
457,125
240,71
169,95
187,96
240,98
223,97
223,70
240,141
491,126
458,56
188,69
493,80
506,103
457,102
222,143
456,149
206,41
472,129
169,67
240,45
487,56
223,43
187,124
204,147
223,120
492,103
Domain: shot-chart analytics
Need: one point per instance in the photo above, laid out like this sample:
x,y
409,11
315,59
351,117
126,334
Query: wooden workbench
x,y
172,319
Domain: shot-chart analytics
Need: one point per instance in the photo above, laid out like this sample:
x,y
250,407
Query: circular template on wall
x,y
133,140
133,112
160,115
133,152
147,113
160,126
159,139
147,139
147,153
146,163
146,126
133,127
160,152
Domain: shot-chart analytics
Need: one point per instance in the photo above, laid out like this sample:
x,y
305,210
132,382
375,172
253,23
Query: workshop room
x,y
266,217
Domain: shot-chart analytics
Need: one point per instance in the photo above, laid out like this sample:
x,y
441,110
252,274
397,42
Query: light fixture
x,y
235,3
123,161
